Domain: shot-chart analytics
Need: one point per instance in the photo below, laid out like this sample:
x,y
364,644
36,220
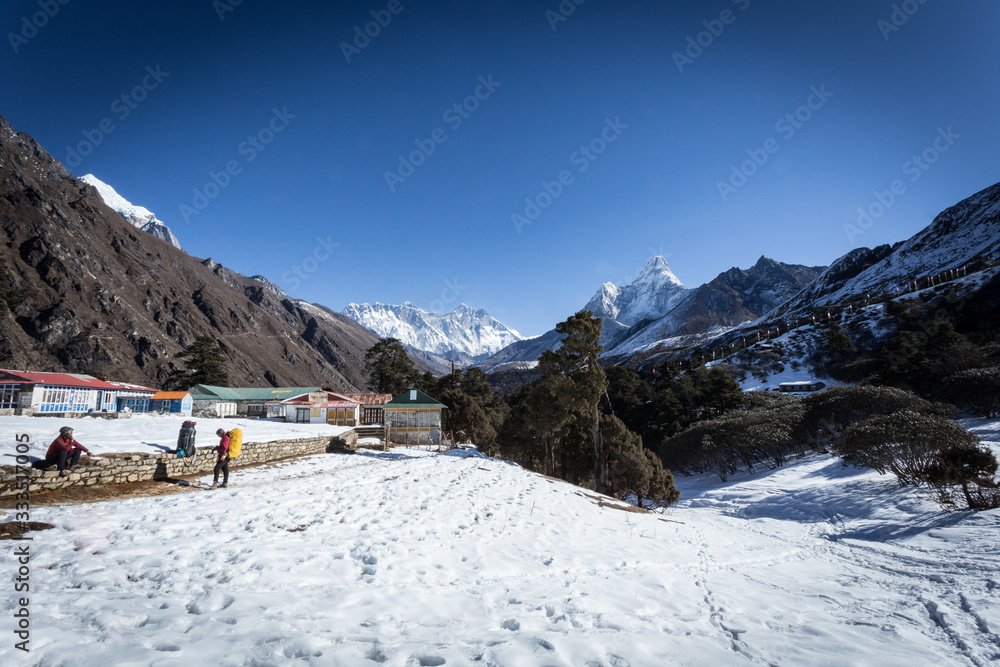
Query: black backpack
x,y
185,440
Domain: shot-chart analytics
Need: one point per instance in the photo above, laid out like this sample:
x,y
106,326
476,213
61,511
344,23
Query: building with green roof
x,y
242,401
414,418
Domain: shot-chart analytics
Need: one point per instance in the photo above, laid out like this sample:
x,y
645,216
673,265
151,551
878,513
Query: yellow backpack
x,y
235,442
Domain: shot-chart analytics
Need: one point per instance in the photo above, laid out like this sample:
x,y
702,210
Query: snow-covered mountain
x,y
963,234
463,335
652,294
656,307
732,298
141,217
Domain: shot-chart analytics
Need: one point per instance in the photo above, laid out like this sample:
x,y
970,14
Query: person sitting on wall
x,y
64,452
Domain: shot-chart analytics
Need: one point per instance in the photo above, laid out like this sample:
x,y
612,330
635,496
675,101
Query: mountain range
x,y
657,306
98,285
465,335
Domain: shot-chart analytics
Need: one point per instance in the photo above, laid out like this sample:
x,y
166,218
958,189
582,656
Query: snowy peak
x,y
657,272
139,216
464,333
651,295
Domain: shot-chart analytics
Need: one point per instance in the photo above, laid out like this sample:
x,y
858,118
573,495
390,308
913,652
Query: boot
x,y
214,484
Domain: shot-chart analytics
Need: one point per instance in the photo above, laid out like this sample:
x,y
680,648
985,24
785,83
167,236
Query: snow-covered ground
x,y
145,432
408,558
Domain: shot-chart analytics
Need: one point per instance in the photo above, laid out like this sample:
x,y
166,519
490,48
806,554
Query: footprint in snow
x,y
429,660
171,648
376,655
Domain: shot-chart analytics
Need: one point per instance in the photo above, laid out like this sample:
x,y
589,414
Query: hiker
x,y
185,440
63,450
223,463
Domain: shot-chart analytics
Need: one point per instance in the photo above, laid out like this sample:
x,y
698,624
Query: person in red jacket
x,y
223,463
63,450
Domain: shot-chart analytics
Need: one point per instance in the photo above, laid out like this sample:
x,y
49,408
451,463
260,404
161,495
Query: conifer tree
x,y
204,360
577,360
389,368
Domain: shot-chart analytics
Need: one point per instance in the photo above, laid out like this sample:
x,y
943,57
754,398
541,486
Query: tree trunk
x,y
968,496
600,464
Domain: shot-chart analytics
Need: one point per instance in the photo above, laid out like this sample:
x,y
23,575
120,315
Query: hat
x,y
65,429
190,422
220,432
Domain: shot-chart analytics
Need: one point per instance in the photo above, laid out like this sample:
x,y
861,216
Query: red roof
x,y
60,380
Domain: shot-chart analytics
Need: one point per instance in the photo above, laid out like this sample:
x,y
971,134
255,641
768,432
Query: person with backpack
x,y
185,440
222,465
230,444
64,452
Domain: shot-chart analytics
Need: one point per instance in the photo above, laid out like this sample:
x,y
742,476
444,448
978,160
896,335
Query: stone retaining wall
x,y
127,468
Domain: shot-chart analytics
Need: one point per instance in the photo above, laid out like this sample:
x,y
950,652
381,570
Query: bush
x,y
828,412
739,440
906,443
976,389
969,466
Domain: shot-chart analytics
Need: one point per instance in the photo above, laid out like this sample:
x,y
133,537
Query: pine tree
x,y
577,360
389,368
204,361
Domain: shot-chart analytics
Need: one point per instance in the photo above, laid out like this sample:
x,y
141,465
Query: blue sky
x,y
708,132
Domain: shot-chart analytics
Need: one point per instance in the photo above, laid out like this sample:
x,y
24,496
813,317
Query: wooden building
x,y
372,407
322,407
414,418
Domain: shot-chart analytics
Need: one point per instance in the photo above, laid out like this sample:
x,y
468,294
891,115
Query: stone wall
x,y
127,468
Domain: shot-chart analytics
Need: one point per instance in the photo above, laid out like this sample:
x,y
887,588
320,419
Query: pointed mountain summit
x,y
653,293
139,216
732,298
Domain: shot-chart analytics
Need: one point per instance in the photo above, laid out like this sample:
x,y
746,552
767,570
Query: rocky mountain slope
x,y
139,216
961,246
732,298
656,307
103,297
464,335
964,234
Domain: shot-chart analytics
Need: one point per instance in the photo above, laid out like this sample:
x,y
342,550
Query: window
x,y
302,415
8,396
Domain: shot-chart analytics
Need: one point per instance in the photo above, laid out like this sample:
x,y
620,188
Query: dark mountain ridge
x,y
104,298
